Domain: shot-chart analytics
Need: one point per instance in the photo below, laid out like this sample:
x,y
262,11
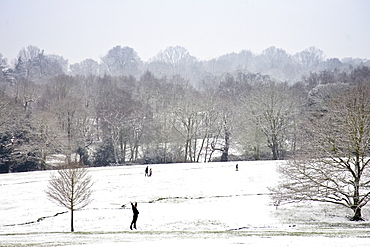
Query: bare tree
x,y
71,188
272,108
113,107
230,62
87,67
333,164
173,61
34,64
276,63
6,74
186,122
310,59
121,61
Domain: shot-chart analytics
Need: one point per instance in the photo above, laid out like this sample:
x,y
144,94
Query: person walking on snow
x,y
146,171
136,214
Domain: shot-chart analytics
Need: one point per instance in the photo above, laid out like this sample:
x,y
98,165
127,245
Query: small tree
x,y
71,188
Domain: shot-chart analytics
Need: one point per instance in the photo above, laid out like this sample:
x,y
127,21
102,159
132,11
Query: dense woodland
x,y
172,108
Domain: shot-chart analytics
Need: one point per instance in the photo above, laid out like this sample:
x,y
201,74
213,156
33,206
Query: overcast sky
x,y
80,29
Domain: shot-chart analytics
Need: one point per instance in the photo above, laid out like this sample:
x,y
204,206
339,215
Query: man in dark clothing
x,y
146,171
136,214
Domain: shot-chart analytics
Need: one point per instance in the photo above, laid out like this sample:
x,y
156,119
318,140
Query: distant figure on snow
x,y
136,214
150,172
237,167
146,171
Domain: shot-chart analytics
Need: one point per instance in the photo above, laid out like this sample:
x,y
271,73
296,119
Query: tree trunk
x,y
201,148
164,153
225,153
357,216
72,227
356,196
187,147
256,154
274,147
122,150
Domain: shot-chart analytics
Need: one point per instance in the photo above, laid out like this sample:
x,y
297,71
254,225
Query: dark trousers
x,y
133,223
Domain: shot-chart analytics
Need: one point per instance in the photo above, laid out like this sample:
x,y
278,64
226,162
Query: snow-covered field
x,y
207,203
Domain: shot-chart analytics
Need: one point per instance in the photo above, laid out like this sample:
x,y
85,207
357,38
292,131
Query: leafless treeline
x,y
173,108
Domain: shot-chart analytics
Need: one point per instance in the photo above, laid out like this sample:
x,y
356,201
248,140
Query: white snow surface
x,y
204,203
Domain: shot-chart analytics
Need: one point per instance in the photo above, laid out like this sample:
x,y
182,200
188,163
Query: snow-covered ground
x,y
208,203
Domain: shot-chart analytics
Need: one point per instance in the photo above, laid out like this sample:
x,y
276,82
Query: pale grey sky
x,y
80,29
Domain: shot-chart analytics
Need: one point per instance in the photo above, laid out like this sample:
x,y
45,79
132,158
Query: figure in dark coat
x,y
136,214
147,171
